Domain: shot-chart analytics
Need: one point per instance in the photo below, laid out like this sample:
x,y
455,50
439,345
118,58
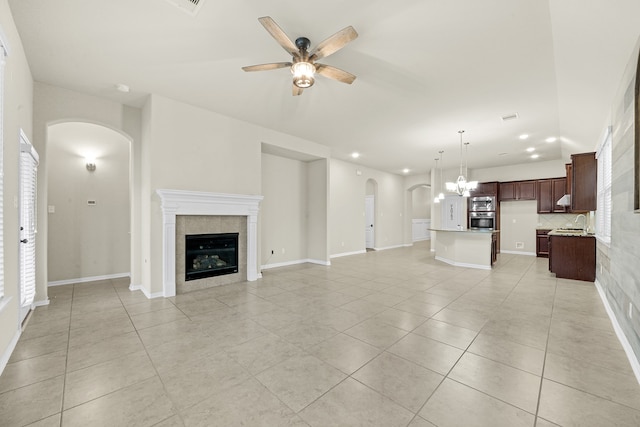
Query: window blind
x,y
603,223
28,186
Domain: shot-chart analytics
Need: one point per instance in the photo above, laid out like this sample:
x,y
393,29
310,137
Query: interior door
x,y
28,229
369,210
452,213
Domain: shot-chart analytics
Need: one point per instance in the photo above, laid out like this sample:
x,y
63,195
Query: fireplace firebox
x,y
209,255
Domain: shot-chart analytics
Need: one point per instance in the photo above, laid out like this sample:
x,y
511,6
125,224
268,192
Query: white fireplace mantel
x,y
178,202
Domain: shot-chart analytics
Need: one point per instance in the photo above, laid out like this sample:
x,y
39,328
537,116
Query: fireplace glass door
x,y
209,255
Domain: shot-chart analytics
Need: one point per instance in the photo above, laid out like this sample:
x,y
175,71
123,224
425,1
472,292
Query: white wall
x,y
283,210
318,211
53,105
346,217
518,222
87,241
17,110
520,172
421,203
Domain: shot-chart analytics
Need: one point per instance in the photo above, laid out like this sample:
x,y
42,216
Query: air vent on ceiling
x,y
189,6
510,117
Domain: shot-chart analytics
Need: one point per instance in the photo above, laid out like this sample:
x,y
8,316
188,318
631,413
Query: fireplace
x,y
209,255
217,207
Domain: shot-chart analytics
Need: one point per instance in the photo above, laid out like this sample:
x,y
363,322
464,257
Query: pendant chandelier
x,y
437,198
462,187
440,196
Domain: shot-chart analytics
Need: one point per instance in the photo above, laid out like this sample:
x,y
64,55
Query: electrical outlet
x,y
282,250
519,245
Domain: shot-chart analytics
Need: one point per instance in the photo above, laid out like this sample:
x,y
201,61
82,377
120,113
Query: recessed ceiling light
x,y
535,156
121,87
405,170
551,139
524,136
355,155
530,150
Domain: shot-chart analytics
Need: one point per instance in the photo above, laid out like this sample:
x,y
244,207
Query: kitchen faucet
x,y
584,222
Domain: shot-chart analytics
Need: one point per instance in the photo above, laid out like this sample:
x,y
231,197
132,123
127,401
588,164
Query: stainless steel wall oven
x,y
482,220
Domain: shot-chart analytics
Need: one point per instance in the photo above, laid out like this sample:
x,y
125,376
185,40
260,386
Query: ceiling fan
x,y
303,64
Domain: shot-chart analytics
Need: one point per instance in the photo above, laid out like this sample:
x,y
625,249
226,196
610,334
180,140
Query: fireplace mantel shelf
x,y
180,202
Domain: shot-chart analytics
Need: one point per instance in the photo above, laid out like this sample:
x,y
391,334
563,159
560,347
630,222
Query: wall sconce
x,y
91,164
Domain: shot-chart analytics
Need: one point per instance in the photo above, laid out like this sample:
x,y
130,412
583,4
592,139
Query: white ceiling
x,y
425,68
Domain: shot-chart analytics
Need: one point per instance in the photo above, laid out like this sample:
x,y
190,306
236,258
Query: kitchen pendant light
x,y
441,195
437,198
462,187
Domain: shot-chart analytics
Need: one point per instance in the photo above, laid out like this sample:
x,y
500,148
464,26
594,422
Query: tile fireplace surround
x,y
179,202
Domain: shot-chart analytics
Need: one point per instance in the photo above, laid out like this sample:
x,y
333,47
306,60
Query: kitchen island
x,y
466,248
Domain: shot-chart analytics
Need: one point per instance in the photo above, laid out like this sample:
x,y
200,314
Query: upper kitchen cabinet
x,y
549,192
584,182
517,190
486,189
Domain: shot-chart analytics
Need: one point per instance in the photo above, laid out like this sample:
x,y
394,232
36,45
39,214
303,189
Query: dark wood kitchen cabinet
x,y
549,192
517,190
584,182
573,257
542,243
486,189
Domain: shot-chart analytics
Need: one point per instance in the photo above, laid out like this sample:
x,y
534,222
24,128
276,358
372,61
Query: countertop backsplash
x,y
560,220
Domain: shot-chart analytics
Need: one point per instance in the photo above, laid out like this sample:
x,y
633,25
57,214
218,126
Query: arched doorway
x,y
419,211
89,206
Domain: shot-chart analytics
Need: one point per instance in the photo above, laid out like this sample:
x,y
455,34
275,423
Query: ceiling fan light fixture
x,y
303,74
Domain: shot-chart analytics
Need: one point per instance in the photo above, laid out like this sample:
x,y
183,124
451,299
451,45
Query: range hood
x,y
564,200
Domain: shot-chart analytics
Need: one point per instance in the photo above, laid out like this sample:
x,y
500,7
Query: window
x,y
603,224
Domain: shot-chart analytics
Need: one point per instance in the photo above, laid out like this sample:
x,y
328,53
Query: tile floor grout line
x,y
546,348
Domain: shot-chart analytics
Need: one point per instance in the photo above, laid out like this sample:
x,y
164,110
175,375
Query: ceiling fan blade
x,y
335,73
333,43
297,90
265,67
279,35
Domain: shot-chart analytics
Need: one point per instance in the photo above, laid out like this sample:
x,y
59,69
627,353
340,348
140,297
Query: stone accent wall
x,y
617,264
209,224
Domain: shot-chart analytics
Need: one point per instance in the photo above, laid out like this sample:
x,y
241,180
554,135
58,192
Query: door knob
x,y
24,241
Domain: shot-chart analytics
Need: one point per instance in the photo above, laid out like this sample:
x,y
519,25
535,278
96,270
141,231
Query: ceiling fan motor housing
x,y
303,43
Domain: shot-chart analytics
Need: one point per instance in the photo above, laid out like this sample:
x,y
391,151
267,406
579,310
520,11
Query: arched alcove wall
x,y
88,211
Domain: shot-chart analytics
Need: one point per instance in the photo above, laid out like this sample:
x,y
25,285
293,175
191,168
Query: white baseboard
x,y
88,279
421,239
389,247
518,252
348,254
294,262
146,293
41,303
9,350
462,264
633,358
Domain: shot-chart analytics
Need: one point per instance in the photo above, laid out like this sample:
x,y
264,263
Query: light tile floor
x,y
390,338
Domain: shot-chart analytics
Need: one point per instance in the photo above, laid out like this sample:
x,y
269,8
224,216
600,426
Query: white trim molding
x,y
295,262
88,279
633,358
179,202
